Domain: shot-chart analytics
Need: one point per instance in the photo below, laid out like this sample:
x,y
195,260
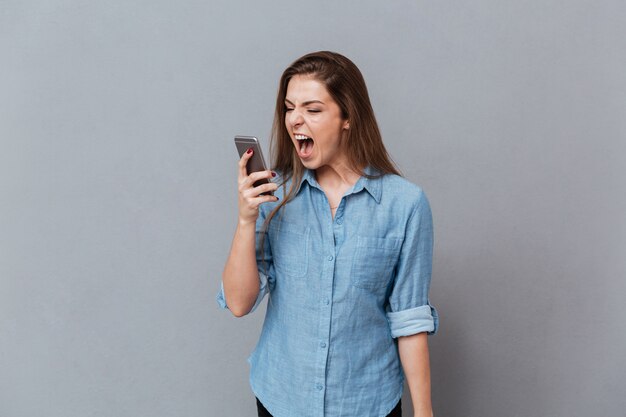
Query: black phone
x,y
257,162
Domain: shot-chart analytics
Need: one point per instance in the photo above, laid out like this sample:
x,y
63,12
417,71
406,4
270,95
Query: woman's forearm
x,y
416,364
241,276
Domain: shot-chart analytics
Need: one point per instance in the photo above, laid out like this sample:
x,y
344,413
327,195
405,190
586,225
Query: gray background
x,y
118,194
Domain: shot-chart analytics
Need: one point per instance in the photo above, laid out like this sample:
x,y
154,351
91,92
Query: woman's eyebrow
x,y
306,103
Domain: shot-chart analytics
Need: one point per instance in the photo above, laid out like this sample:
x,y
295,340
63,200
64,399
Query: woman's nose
x,y
295,118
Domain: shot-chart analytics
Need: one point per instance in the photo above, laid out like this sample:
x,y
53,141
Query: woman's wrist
x,y
246,223
423,412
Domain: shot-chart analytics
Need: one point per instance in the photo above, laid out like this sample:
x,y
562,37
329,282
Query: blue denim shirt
x,y
340,291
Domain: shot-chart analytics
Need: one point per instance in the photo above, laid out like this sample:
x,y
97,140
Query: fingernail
x,y
273,174
249,150
277,198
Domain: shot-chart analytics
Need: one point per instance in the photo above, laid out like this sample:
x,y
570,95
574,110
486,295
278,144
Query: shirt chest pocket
x,y
290,248
375,259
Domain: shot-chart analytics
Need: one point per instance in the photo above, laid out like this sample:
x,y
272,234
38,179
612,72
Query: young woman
x,y
344,250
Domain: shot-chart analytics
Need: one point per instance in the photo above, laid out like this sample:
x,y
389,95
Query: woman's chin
x,y
309,163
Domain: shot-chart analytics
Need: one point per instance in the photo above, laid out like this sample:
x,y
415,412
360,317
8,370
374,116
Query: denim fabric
x,y
262,411
340,291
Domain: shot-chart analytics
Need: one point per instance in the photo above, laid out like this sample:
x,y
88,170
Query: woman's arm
x,y
416,364
241,276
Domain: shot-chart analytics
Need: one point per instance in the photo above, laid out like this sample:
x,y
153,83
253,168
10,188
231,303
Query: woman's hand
x,y
249,196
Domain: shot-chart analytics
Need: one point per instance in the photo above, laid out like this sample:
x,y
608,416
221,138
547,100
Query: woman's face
x,y
313,120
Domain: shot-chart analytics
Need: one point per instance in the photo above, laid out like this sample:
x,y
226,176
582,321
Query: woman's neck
x,y
335,183
336,177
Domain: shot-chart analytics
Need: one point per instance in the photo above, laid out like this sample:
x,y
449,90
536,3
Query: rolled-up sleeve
x,y
263,290
265,266
409,310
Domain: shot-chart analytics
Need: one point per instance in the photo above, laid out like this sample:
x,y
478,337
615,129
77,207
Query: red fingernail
x,y
273,174
249,150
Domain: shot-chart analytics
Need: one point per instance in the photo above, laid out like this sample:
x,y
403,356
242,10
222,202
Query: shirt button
x,y
319,387
326,301
322,344
339,221
330,257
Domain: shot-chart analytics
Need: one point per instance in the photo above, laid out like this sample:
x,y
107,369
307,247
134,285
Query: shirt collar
x,y
372,185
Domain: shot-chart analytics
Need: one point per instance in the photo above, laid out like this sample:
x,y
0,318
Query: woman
x,y
344,250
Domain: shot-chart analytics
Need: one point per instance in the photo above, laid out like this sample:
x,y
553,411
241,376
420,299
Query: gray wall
x,y
118,194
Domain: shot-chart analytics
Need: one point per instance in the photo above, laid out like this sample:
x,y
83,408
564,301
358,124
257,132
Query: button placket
x,y
326,292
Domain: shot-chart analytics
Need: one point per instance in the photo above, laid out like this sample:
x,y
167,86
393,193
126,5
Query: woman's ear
x,y
346,125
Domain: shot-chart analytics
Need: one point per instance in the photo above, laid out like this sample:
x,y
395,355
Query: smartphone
x,y
257,162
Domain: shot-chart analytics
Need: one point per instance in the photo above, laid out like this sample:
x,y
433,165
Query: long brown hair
x,y
345,84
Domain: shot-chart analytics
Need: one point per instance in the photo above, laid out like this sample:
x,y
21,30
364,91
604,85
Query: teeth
x,y
301,137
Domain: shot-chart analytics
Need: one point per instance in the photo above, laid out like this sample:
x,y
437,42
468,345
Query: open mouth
x,y
305,145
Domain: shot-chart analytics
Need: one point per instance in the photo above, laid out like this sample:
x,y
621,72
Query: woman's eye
x,y
314,111
288,109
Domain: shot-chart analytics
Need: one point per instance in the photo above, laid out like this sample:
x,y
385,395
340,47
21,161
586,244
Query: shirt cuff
x,y
263,289
414,320
221,301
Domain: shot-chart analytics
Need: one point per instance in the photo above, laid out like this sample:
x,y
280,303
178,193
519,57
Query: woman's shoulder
x,y
400,188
